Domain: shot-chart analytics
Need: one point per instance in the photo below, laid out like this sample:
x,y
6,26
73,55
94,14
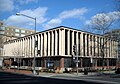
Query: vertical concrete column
x,y
72,41
27,47
10,48
60,41
105,47
24,47
21,47
99,47
33,45
16,48
45,44
63,42
107,51
81,44
68,44
41,44
111,48
30,46
89,47
56,41
52,43
28,51
114,49
108,48
93,46
49,43
85,45
77,42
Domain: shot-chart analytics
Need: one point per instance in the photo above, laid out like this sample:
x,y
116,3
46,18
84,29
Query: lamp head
x,y
18,14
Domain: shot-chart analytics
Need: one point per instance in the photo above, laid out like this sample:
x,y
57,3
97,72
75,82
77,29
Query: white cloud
x,y
26,1
75,13
6,5
22,21
72,13
52,23
108,17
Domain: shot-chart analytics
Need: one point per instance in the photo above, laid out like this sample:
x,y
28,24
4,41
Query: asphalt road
x,y
105,79
12,78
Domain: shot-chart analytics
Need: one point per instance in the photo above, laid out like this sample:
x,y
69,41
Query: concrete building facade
x,y
55,46
10,32
115,33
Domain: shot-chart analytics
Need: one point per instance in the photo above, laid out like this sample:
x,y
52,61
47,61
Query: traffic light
x,y
38,51
74,49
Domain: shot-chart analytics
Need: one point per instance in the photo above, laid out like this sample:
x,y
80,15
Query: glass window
x,y
2,32
17,30
2,28
67,62
22,31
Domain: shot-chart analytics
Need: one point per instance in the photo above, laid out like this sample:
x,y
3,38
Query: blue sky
x,y
52,13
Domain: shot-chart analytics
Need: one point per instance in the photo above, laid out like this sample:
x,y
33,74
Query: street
x,y
13,78
106,79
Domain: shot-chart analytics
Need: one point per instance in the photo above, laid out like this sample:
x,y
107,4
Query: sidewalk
x,y
65,74
18,71
45,74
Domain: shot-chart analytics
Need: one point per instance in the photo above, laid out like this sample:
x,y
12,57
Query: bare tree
x,y
17,51
101,23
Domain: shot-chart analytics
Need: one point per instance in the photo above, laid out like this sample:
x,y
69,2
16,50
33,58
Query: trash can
x,y
85,72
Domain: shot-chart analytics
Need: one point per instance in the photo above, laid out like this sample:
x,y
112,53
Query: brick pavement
x,y
18,71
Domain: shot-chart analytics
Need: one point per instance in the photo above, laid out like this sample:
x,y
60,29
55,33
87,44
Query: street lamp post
x,y
34,18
